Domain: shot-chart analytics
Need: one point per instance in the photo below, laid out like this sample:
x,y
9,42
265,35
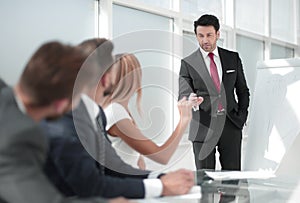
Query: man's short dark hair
x,y
207,20
100,58
51,72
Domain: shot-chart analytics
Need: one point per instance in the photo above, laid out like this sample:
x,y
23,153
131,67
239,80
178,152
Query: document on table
x,y
193,196
234,175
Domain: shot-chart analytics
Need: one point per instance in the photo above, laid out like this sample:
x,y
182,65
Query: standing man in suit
x,y
77,140
217,75
44,91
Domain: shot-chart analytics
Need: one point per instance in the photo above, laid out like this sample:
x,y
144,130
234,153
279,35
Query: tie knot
x,y
211,56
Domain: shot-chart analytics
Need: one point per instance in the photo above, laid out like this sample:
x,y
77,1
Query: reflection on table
x,y
274,190
277,189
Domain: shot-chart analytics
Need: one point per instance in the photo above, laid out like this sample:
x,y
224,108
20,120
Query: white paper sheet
x,y
233,175
193,196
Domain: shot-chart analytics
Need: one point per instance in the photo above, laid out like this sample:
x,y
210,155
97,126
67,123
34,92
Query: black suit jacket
x,y
194,77
71,165
23,150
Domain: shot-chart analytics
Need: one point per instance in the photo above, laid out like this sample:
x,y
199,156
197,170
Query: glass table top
x,y
276,189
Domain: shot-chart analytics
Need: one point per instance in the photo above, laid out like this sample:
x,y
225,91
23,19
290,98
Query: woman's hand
x,y
196,101
141,163
185,109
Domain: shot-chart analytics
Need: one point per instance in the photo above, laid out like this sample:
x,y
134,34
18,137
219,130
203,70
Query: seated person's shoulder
x,y
2,84
62,128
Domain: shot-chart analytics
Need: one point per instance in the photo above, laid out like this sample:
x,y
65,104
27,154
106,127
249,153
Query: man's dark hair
x,y
207,20
100,58
51,72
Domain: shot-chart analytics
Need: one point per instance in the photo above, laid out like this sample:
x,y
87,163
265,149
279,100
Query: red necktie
x,y
215,76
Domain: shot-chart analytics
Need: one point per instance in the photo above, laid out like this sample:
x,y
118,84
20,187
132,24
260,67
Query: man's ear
x,y
60,105
103,80
218,34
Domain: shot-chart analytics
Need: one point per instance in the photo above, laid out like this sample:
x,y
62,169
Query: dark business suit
x,y
23,150
209,129
2,84
72,167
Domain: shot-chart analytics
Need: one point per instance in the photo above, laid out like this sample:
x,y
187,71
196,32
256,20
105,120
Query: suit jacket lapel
x,y
224,63
85,128
81,115
91,138
197,62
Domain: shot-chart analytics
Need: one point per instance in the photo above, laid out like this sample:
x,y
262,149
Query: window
x,y
250,51
245,18
189,43
149,37
278,52
167,4
283,21
25,25
200,7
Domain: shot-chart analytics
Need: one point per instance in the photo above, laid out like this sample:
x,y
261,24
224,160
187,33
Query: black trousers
x,y
228,145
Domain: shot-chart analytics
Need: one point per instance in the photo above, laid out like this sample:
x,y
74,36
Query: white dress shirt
x,y
216,59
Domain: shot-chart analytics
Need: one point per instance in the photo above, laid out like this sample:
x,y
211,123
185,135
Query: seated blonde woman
x,y
126,137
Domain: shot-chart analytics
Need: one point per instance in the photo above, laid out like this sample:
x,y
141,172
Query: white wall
x,y
25,25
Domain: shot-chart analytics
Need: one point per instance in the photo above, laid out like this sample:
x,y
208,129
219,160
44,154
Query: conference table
x,y
252,190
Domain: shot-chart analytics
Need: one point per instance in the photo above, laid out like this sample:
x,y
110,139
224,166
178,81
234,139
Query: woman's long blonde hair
x,y
128,80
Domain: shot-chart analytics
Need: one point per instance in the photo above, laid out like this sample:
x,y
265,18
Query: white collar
x,y
20,104
205,54
91,106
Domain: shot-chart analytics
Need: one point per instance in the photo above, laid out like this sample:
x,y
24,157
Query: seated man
x,y
77,140
2,84
44,91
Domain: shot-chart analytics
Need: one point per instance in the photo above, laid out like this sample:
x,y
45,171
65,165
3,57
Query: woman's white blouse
x,y
114,113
